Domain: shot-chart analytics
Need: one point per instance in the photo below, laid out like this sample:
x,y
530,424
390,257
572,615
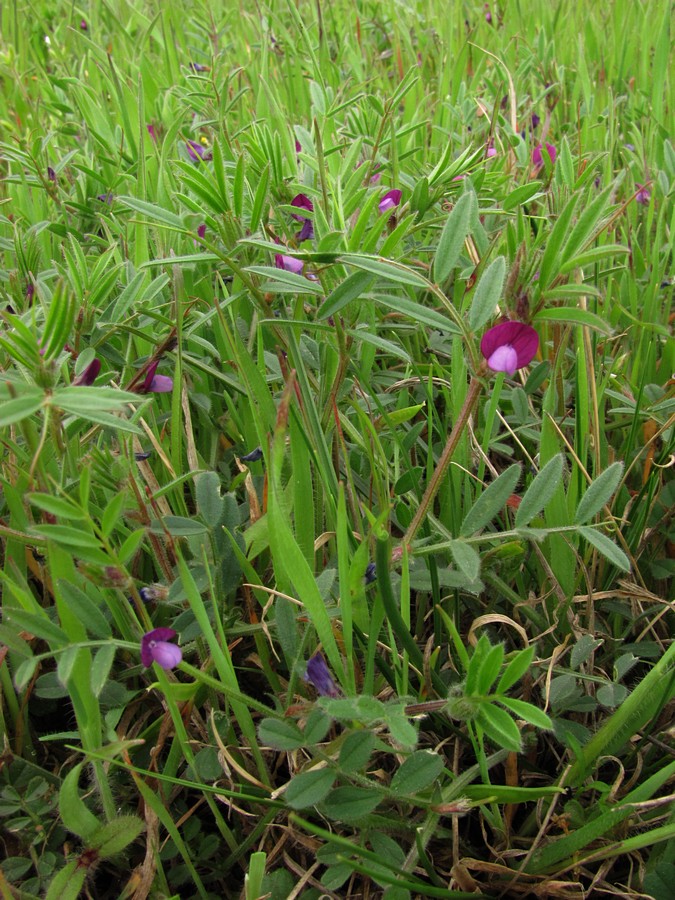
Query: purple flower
x,y
30,292
89,374
196,152
488,14
155,648
289,263
302,201
318,674
491,151
141,457
198,67
201,231
152,133
253,456
155,384
537,155
105,198
371,573
390,200
509,346
298,146
306,233
643,194
535,120
51,174
83,25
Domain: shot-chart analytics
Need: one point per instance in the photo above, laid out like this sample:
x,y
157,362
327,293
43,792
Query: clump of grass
x,y
316,578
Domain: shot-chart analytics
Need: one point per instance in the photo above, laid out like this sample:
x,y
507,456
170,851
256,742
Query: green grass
x,y
504,678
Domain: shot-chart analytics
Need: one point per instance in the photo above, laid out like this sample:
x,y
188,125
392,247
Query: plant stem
x,y
473,393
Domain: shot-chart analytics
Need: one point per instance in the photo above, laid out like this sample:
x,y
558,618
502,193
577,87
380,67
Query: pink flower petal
x,y
289,263
504,359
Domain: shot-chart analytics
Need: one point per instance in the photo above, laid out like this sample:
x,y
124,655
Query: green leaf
x,y
416,312
66,664
540,492
70,537
350,289
489,669
210,503
573,316
582,650
56,506
599,493
466,559
282,280
38,625
19,408
611,695
363,709
385,268
451,241
499,727
75,814
100,668
116,835
515,670
153,212
317,726
487,294
67,883
418,772
25,672
528,712
521,195
178,526
349,803
280,734
85,609
309,788
356,749
491,502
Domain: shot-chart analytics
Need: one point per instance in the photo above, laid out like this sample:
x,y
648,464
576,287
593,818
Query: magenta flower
x,y
155,384
152,133
298,146
201,231
509,346
196,152
83,25
390,200
302,201
155,647
537,155
318,674
643,194
289,263
89,374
